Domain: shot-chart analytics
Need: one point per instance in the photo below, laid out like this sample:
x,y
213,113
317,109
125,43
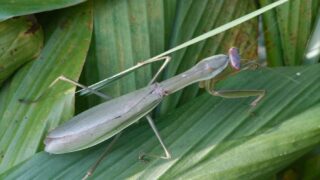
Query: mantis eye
x,y
234,58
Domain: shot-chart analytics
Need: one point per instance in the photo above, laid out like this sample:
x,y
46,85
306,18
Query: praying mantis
x,y
104,121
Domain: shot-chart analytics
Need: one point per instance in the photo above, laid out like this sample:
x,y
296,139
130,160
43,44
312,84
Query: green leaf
x,y
312,55
13,8
287,31
21,41
210,137
22,125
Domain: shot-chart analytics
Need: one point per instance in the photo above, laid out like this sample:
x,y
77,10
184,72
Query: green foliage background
x,y
209,137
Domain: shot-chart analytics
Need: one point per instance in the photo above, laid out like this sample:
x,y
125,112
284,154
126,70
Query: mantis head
x,y
234,58
219,66
224,66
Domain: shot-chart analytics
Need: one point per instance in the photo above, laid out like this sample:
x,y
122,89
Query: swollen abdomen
x,y
102,121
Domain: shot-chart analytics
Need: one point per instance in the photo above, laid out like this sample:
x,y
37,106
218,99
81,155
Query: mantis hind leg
x,y
165,149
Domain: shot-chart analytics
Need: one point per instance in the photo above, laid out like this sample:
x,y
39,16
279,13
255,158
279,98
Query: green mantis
x,y
107,119
104,121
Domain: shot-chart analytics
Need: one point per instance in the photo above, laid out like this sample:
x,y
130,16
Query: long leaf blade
x,y
23,125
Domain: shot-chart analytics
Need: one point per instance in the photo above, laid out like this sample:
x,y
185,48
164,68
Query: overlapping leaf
x,y
17,36
22,125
